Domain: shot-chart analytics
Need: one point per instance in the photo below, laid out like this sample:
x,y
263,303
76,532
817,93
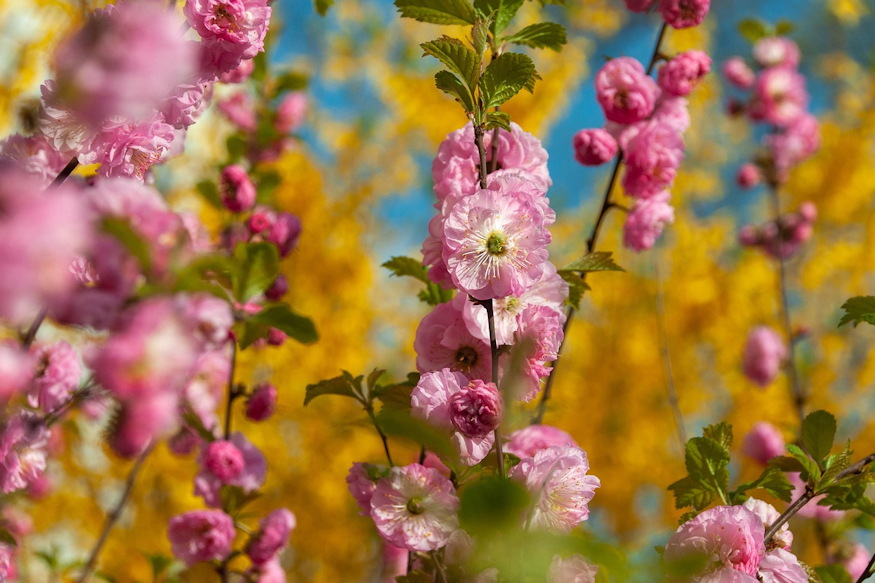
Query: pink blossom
x,y
210,318
58,372
269,572
593,147
748,175
261,403
223,460
574,569
638,5
394,562
184,106
476,410
290,112
681,74
781,566
645,222
124,61
272,536
240,73
782,237
23,451
238,192
201,535
653,156
129,150
362,481
35,155
284,232
415,508
776,51
528,441
540,333
140,421
250,478
432,253
684,13
763,442
796,142
41,233
240,110
738,73
780,97
857,563
730,537
444,341
238,24
673,112
556,477
8,569
768,515
624,90
764,353
495,243
17,368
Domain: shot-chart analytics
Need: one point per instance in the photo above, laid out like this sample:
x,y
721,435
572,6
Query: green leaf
x,y
541,35
689,492
236,146
810,469
434,294
576,287
400,266
502,12
784,27
458,58
437,11
234,498
282,317
210,192
492,504
400,424
818,434
290,81
131,240
7,538
257,268
397,395
344,385
595,261
322,6
707,461
721,433
480,36
499,119
772,480
859,309
752,29
834,464
833,574
505,77
452,85
786,463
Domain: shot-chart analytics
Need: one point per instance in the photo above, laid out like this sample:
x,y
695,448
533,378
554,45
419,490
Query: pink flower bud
x,y
684,13
278,288
291,111
476,409
738,73
593,147
276,337
260,220
682,73
763,442
238,192
645,222
224,460
271,537
638,5
764,354
624,90
284,232
239,110
748,175
261,403
808,211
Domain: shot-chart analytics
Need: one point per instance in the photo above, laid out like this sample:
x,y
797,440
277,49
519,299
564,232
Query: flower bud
x,y
262,403
238,192
224,460
476,409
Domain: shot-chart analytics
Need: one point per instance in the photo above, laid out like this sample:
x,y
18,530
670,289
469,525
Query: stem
x,y
373,417
673,400
478,139
493,162
62,176
852,470
607,205
30,335
798,393
490,318
867,572
114,516
232,391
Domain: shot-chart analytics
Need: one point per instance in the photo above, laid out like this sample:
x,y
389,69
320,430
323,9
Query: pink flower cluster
x,y
731,541
676,13
784,236
777,96
646,120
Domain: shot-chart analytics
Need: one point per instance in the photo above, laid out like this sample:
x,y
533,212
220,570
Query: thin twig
x,y
493,344
62,176
478,139
370,412
232,390
673,400
867,572
114,515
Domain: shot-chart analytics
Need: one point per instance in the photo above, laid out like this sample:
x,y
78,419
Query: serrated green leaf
x,y
595,261
835,463
540,35
257,268
810,470
689,492
372,379
322,6
437,11
480,36
400,266
505,77
458,58
859,309
499,119
344,385
772,480
752,29
576,287
502,12
721,433
706,462
452,85
281,317
818,434
785,463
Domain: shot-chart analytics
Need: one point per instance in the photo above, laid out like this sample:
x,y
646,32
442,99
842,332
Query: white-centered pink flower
x,y
444,341
780,96
415,508
495,243
561,490
776,51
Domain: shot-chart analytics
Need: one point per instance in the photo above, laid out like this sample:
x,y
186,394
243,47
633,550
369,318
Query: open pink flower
x,y
780,96
415,508
644,223
273,534
624,90
781,566
444,341
540,331
776,51
239,24
201,535
681,74
130,149
58,372
731,537
768,515
684,13
250,478
653,155
561,489
35,155
23,451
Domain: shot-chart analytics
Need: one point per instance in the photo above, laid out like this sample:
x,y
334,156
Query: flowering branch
x,y
114,515
867,572
490,318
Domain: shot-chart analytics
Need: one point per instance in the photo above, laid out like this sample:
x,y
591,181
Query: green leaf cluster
x,y
433,294
574,273
754,29
859,309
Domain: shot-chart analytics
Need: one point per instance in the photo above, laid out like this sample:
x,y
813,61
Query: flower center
x,y
466,357
414,506
496,243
